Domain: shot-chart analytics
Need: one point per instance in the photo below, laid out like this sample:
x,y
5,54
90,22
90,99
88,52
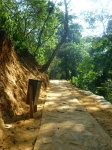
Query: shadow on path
x,y
67,125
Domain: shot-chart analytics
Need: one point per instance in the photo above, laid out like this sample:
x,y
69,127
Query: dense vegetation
x,y
41,27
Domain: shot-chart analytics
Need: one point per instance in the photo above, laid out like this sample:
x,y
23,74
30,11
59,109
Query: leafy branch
x,y
63,38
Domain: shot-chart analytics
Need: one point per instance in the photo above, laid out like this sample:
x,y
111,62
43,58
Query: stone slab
x,y
66,125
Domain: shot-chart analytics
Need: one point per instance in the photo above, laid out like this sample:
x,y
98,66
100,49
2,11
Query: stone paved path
x,y
66,125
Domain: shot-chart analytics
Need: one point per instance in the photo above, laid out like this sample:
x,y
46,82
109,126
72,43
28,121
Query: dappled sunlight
x,y
79,128
20,131
97,106
63,132
67,125
53,95
22,135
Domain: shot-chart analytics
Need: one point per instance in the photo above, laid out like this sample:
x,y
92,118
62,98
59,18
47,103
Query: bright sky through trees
x,y
83,5
98,7
78,7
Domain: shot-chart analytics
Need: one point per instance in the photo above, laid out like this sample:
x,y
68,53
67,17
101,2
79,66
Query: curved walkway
x,y
67,125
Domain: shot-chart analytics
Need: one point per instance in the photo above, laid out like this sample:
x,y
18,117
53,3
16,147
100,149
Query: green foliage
x,y
55,69
69,55
86,74
37,26
106,89
74,80
32,25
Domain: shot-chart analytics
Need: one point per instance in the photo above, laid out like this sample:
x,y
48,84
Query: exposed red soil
x,y
14,77
17,130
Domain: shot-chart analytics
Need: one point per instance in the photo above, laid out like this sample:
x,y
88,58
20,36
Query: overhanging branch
x,y
46,66
42,29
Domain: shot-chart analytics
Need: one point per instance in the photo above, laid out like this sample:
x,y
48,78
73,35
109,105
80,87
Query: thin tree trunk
x,y
46,66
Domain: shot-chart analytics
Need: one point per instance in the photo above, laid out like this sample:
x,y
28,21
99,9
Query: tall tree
x,y
62,40
33,26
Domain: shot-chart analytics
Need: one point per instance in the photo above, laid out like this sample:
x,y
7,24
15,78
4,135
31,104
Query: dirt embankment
x,y
14,76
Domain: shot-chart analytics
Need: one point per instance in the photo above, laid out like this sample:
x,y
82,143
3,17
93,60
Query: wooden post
x,y
33,92
31,101
35,108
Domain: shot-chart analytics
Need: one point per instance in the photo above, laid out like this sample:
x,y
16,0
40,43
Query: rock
x,y
8,126
47,140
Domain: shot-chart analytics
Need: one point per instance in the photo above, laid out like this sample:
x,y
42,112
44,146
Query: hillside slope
x,y
14,76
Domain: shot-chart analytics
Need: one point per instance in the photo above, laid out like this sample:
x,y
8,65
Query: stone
x,y
67,125
46,140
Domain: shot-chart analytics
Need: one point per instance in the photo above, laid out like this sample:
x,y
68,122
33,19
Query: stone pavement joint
x,y
66,124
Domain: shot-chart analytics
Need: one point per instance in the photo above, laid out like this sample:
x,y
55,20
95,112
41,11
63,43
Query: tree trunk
x,y
46,66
